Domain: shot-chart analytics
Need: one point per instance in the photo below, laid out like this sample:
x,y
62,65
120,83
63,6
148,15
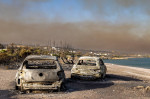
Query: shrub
x,y
24,52
4,58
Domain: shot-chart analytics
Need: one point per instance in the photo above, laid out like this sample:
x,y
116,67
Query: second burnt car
x,y
89,68
40,72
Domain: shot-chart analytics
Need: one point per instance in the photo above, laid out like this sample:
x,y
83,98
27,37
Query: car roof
x,y
41,57
89,57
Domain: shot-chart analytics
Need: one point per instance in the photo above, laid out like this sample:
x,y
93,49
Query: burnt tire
x,y
72,77
16,87
62,88
103,75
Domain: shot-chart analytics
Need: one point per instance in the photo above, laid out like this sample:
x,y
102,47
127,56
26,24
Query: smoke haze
x,y
124,34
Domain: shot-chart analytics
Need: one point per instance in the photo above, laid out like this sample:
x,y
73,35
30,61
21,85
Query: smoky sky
x,y
121,25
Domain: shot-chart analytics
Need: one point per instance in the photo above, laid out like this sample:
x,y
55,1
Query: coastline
x,y
138,72
132,62
126,66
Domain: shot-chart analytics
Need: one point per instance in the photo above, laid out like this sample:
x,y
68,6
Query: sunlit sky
x,y
79,10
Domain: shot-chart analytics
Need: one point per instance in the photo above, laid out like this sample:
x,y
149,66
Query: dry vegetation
x,y
14,55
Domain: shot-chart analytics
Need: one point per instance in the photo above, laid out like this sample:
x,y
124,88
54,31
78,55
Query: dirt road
x,y
120,83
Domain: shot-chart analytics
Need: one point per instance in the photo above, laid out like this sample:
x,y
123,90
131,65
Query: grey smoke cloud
x,y
87,35
100,35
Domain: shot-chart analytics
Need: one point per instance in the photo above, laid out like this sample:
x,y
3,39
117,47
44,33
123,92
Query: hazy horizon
x,y
121,25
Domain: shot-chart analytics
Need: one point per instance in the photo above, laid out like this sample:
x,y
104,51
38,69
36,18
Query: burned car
x,y
89,68
40,72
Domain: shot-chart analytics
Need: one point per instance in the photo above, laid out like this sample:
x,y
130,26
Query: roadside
x,y
121,82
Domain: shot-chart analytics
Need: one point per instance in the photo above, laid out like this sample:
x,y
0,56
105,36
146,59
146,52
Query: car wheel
x,y
103,75
16,87
61,88
72,77
58,89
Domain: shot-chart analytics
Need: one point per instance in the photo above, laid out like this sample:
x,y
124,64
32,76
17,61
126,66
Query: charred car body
x,y
40,72
89,68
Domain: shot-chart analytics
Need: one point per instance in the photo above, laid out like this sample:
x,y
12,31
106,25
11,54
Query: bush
x,y
1,46
4,58
24,53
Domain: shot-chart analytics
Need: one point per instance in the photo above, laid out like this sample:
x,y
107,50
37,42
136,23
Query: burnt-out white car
x,y
40,72
89,68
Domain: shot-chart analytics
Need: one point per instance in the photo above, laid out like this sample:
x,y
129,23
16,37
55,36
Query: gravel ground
x,y
121,82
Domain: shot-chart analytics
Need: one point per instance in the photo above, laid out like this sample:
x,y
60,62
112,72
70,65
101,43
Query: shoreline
x,y
138,72
131,62
133,67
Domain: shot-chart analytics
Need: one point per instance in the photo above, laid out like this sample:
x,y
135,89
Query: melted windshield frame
x,y
40,64
87,62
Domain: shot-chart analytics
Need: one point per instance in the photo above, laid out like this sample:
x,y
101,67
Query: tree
x,y
11,48
1,46
4,58
24,52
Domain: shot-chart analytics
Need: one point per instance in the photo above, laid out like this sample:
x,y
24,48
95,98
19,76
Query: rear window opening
x,y
87,62
40,64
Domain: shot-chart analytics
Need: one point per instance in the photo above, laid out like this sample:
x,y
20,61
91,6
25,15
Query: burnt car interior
x,y
87,62
40,64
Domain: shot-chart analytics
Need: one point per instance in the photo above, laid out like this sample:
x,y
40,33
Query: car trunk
x,y
87,70
40,75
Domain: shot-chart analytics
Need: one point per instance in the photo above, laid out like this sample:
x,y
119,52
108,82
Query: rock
x,y
147,88
139,87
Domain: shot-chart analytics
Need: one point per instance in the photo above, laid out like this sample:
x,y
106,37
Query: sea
x,y
133,62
